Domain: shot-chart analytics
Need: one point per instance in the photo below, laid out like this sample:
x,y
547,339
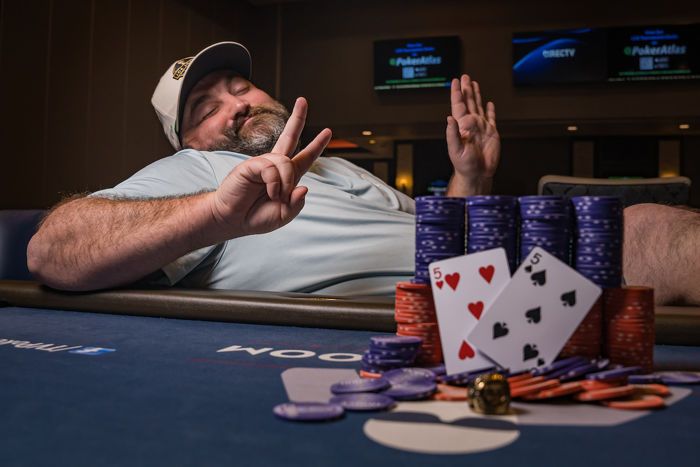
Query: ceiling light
x,y
366,133
684,126
572,128
372,141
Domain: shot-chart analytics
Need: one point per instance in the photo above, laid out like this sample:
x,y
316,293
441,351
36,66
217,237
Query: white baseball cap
x,y
175,85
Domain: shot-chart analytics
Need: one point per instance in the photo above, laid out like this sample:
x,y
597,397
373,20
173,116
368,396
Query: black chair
x,y
16,229
671,190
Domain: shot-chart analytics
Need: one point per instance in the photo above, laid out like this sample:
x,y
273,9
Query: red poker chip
x,y
604,394
637,402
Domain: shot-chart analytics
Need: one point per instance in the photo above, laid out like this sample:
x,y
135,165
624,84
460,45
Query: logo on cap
x,y
180,67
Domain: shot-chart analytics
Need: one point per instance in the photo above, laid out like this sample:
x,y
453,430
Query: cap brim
x,y
221,56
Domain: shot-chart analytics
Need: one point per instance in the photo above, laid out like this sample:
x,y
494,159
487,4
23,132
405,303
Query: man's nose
x,y
238,106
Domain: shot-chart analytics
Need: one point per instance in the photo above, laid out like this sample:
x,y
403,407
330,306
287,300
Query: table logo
x,y
74,349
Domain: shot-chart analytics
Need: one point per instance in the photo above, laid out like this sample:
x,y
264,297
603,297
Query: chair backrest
x,y
671,190
16,229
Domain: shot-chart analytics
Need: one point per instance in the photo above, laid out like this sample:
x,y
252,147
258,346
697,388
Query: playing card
x,y
537,312
463,289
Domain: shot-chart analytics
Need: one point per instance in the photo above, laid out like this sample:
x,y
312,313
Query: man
x,y
195,218
174,221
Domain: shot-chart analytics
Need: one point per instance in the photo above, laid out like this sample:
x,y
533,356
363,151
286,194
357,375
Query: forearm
x,y
93,243
662,250
460,186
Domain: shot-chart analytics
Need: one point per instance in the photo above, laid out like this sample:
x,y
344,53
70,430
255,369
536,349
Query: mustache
x,y
258,110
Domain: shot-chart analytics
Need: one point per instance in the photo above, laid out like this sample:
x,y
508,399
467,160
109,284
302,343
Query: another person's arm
x,y
472,140
662,250
93,243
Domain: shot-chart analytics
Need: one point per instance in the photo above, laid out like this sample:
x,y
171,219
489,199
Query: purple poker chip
x,y
395,341
308,411
438,370
409,375
679,377
579,371
652,378
558,365
411,391
615,373
363,402
360,385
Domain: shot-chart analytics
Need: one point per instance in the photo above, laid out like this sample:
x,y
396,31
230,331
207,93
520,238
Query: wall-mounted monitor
x,y
427,62
641,53
552,57
654,53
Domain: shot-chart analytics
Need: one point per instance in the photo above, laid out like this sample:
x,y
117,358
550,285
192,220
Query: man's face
x,y
227,112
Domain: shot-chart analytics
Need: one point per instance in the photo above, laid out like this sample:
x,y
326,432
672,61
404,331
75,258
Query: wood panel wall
x,y
76,82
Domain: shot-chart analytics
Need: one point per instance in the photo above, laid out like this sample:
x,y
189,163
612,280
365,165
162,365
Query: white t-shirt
x,y
355,235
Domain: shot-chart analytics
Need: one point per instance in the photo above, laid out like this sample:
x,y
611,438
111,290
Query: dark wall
x,y
76,83
327,57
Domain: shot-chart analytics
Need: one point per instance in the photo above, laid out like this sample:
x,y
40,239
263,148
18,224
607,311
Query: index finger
x,y
289,138
307,156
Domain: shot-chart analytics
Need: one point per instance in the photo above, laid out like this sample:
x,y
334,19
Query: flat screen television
x,y
427,62
650,53
553,57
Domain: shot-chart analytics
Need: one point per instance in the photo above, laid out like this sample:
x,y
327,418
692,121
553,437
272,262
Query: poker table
x,y
178,377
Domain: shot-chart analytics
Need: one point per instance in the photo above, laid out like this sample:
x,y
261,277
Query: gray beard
x,y
259,135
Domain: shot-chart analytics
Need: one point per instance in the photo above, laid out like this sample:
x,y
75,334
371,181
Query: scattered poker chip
x,y
603,394
639,402
363,402
578,372
614,374
367,374
308,411
360,385
438,370
653,389
446,392
518,378
409,375
644,379
411,391
529,381
566,389
593,385
556,365
528,389
679,377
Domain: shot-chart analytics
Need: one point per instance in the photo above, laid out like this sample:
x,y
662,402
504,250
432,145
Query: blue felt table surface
x,y
167,397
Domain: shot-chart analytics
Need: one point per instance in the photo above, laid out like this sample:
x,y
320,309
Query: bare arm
x,y
473,142
93,243
662,250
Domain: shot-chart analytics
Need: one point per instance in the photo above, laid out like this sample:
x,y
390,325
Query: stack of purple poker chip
x,y
599,239
545,221
492,222
439,232
389,352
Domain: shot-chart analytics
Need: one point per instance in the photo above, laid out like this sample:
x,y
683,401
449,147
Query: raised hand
x,y
472,139
261,194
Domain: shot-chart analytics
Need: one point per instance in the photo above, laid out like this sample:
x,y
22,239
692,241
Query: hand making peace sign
x,y
261,194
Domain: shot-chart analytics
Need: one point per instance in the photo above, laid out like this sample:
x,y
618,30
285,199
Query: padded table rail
x,y
674,325
292,309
